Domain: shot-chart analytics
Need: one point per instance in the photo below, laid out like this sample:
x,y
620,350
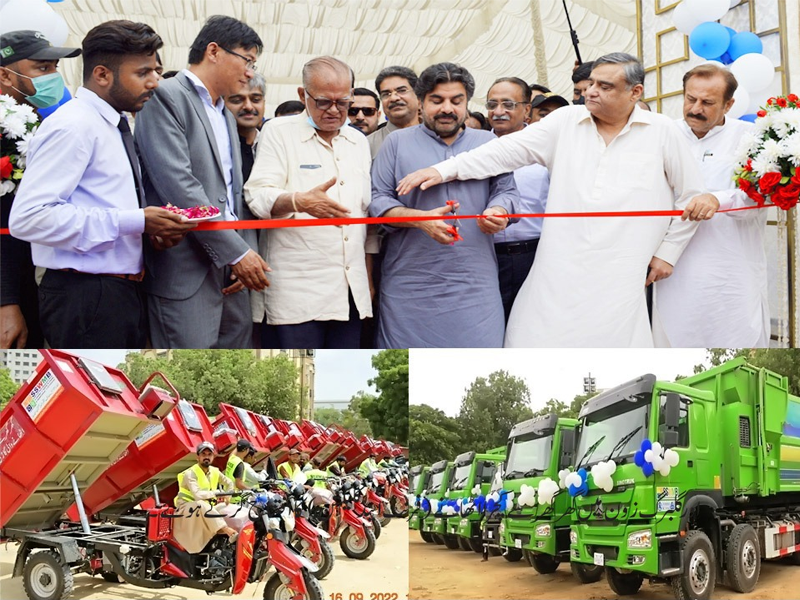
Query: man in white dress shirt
x,y
587,285
717,295
312,166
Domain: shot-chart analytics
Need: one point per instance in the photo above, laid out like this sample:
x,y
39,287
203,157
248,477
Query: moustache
x,y
396,104
445,116
501,118
698,117
248,113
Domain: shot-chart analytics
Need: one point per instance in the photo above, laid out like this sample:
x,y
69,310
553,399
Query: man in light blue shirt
x,y
189,145
79,202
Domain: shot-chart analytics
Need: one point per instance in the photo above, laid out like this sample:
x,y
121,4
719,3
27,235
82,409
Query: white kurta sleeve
x,y
269,176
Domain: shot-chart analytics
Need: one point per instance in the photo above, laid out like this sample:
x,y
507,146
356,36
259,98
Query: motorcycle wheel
x,y
276,589
354,548
397,512
384,520
377,526
326,559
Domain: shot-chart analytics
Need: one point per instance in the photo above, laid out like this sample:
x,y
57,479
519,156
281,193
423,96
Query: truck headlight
x,y
464,522
573,537
501,530
543,531
640,539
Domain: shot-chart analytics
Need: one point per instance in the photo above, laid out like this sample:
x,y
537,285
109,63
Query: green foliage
x,y
236,377
434,435
491,407
387,413
348,418
7,387
328,416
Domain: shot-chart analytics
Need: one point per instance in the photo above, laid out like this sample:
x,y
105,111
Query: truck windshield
x,y
436,482
415,481
529,456
461,477
620,432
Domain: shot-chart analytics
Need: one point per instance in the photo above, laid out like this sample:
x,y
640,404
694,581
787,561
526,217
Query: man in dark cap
x,y
28,73
544,104
236,469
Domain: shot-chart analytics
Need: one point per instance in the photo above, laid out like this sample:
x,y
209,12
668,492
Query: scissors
x,y
453,229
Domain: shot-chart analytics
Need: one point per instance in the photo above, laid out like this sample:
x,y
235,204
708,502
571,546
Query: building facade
x,y
21,364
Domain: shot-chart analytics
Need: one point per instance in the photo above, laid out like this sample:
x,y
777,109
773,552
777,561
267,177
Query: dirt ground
x,y
384,573
437,573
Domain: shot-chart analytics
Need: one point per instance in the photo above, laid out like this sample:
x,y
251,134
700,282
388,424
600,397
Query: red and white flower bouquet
x,y
18,123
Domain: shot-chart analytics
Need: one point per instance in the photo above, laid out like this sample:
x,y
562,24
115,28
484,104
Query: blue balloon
x,y
648,469
426,505
745,43
726,59
750,118
46,112
573,491
646,445
584,475
638,458
709,40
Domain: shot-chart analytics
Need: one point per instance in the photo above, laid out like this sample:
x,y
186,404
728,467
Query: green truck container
x,y
538,449
418,480
471,471
730,499
433,522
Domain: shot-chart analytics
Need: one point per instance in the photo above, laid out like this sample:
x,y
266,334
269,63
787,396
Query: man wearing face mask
x,y
79,202
28,64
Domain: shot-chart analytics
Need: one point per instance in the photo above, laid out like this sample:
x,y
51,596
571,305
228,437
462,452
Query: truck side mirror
x,y
567,448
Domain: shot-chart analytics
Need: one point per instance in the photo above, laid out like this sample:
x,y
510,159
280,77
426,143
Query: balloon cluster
x,y
500,500
601,475
577,483
547,490
741,50
527,496
450,508
425,505
477,489
480,503
652,457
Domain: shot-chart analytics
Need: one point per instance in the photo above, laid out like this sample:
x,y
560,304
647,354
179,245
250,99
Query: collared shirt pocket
x,y
639,170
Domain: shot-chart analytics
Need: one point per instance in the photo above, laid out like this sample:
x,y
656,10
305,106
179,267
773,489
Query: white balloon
x,y
649,455
664,470
562,477
671,457
657,462
612,467
741,103
707,10
754,72
573,479
36,15
447,494
657,448
608,486
683,19
476,490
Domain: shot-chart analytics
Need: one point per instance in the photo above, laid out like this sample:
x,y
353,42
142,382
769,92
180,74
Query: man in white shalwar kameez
x,y
587,285
717,295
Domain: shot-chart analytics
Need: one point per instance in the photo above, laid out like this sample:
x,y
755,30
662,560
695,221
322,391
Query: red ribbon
x,y
288,223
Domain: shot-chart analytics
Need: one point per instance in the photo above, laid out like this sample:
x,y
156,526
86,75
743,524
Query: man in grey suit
x,y
189,146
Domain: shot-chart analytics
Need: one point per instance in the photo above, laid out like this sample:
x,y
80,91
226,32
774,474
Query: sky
x,y
340,373
439,378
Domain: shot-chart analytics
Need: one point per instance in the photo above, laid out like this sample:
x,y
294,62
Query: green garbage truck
x,y
418,479
537,450
687,482
432,520
472,478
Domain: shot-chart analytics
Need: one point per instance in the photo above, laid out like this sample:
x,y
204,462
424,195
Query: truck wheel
x,y
357,547
111,577
586,573
494,551
463,543
543,564
476,545
700,568
624,584
45,578
451,541
513,555
743,558
276,589
426,536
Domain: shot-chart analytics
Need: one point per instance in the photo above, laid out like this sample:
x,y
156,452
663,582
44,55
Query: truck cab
x,y
419,476
703,480
433,521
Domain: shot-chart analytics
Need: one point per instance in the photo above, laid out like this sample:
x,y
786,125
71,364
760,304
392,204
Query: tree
x,y
433,435
328,416
387,413
7,387
561,409
491,407
236,377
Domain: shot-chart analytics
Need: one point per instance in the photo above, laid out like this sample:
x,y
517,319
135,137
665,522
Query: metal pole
x,y
155,495
573,34
79,503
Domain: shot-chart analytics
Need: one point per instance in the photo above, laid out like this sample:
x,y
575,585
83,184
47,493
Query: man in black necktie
x,y
79,203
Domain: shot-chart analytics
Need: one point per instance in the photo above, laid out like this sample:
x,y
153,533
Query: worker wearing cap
x,y
28,73
368,465
315,475
337,469
291,468
237,471
197,487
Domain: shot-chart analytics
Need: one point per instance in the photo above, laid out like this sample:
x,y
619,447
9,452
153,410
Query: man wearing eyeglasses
x,y
187,139
313,166
365,111
395,86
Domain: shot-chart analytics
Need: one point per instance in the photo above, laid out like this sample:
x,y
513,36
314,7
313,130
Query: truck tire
x,y
495,551
586,573
743,558
45,578
111,577
513,555
700,568
451,541
426,536
437,539
624,584
543,564
463,543
476,545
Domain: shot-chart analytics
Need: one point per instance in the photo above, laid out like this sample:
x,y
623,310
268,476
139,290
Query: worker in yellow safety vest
x,y
368,465
291,468
237,469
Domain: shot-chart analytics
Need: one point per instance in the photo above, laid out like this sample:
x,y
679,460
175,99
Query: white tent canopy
x,y
495,38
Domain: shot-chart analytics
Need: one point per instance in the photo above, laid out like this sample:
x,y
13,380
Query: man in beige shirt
x,y
313,166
